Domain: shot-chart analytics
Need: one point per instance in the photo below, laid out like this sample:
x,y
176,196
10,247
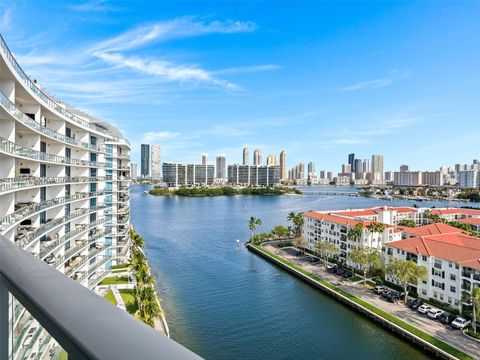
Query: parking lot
x,y
444,332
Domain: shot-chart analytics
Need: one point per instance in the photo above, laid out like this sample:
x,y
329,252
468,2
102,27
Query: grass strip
x,y
403,324
114,280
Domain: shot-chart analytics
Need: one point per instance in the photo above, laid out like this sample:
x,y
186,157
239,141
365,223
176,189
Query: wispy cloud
x,y
173,29
246,69
371,84
393,75
167,70
151,137
92,6
5,19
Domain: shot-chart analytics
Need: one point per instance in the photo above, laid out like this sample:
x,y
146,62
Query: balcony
x,y
75,324
32,124
25,182
27,153
467,272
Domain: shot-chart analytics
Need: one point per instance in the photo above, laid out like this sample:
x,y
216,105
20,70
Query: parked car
x,y
313,259
379,289
347,273
434,313
332,268
393,296
415,304
423,309
460,323
447,318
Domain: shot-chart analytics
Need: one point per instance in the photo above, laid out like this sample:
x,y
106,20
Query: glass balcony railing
x,y
7,184
31,208
48,246
42,230
14,149
31,123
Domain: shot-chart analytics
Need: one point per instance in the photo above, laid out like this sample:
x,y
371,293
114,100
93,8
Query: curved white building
x,y
64,192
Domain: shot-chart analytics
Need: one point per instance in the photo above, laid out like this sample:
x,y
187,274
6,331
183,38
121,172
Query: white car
x,y
434,313
460,323
423,309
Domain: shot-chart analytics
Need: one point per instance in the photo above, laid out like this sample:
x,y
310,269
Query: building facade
x,y
64,192
283,165
221,168
176,174
155,163
133,171
145,161
257,157
245,156
263,175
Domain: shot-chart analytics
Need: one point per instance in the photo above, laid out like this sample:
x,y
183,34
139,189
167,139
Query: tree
x,y
253,224
408,223
365,259
280,231
375,227
300,243
297,221
355,232
405,273
476,306
325,249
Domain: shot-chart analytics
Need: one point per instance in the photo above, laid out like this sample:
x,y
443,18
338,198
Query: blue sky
x,y
317,79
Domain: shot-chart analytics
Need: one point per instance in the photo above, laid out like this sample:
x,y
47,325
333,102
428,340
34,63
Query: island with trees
x,y
223,191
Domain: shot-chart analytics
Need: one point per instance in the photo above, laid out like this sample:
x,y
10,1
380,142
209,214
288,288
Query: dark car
x,y
313,259
347,273
446,318
393,296
332,268
415,304
340,271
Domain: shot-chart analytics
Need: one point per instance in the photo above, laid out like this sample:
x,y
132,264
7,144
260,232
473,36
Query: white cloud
x,y
167,70
246,69
92,6
150,137
172,29
371,84
5,19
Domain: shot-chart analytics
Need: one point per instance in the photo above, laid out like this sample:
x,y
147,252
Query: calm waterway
x,y
224,302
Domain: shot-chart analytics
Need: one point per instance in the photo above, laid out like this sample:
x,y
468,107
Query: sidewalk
x,y
118,298
433,327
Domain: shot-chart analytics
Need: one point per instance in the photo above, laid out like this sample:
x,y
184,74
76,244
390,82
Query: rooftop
x,y
431,229
457,247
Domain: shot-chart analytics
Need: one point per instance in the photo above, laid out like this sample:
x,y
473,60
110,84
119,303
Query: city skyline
x,y
192,97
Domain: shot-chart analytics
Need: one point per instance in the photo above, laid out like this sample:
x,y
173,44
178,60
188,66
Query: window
x,y
450,264
452,289
453,277
424,258
424,292
390,251
438,264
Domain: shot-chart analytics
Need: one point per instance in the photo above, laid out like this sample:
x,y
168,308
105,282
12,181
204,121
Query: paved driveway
x,y
434,327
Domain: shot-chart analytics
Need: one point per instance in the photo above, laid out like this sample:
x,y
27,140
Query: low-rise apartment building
x,y
176,174
254,175
452,261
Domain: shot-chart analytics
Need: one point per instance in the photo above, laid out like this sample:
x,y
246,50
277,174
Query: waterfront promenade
x,y
435,328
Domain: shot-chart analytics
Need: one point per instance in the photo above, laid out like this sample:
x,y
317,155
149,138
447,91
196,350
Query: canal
x,y
224,302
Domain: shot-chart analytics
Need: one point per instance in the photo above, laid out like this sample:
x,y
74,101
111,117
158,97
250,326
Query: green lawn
x,y
129,299
120,266
410,328
114,280
110,297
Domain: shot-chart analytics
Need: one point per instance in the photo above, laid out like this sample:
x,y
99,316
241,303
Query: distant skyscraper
x,y
377,167
283,165
204,159
404,168
156,165
257,157
366,166
270,160
221,167
311,167
145,161
358,166
351,162
346,168
133,170
245,156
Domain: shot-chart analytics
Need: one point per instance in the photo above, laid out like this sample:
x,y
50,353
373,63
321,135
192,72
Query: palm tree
x,y
375,227
297,220
476,306
355,232
253,224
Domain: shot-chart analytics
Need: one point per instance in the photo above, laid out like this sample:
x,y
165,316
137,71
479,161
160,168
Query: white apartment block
x,y
469,179
452,261
64,192
155,163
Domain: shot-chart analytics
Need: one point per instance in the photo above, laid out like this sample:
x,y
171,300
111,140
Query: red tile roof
x,y
470,212
458,247
431,229
357,213
335,218
471,221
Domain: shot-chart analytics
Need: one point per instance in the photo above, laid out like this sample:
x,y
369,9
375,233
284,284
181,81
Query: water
x,y
224,302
